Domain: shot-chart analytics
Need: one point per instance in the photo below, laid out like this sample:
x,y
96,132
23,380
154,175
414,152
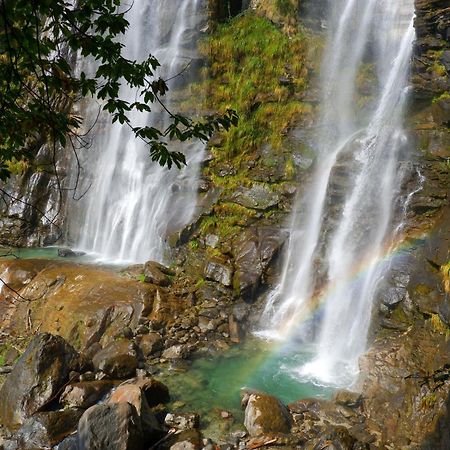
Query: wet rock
x,y
69,253
234,329
46,429
83,304
118,359
85,394
265,414
220,270
110,427
37,377
182,422
259,196
150,343
157,273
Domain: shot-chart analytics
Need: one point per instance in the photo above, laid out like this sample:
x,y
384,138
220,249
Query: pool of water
x,y
212,385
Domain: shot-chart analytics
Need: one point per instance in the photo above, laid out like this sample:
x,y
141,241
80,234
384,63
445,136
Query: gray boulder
x,y
265,414
37,378
46,429
110,427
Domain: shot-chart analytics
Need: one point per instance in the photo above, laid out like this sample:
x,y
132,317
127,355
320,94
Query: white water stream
x,y
343,223
132,203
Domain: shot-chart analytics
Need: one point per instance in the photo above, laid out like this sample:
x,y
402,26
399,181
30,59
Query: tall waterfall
x,y
133,203
343,222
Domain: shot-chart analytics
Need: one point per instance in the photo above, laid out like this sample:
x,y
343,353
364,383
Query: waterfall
x,y
343,222
132,203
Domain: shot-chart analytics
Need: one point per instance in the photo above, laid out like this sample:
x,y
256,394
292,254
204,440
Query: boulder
x,y
265,414
150,343
134,395
118,359
37,378
110,427
85,394
46,429
155,392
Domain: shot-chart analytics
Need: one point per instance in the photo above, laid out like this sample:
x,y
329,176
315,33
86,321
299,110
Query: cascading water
x,y
343,222
133,203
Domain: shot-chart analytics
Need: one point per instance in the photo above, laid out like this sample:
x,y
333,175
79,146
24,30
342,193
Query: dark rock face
x,y
118,359
254,250
25,195
36,378
431,63
110,427
46,429
265,414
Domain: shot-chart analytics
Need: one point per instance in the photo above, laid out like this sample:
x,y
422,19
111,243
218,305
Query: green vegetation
x,y
444,96
255,70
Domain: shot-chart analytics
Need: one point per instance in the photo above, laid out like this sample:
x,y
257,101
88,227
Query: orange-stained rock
x,y
82,303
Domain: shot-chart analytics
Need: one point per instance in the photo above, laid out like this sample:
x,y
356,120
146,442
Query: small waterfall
x,y
343,222
132,203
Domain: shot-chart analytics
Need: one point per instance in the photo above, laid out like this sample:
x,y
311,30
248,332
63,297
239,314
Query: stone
x,y
110,427
68,253
182,422
150,343
69,443
265,414
134,395
174,352
46,429
186,440
220,270
118,359
157,273
37,377
85,393
259,197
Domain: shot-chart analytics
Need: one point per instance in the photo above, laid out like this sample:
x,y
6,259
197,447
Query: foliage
x,y
39,43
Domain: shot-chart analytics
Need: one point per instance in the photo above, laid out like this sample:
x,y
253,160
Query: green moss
x,y
439,326
194,244
444,96
248,56
141,277
428,401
